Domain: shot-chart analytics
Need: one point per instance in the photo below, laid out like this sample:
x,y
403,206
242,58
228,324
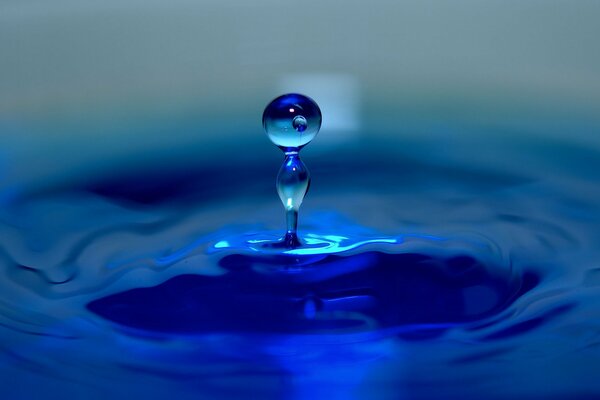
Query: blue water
x,y
291,121
417,280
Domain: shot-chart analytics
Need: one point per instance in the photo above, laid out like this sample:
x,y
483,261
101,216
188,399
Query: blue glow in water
x,y
423,283
291,122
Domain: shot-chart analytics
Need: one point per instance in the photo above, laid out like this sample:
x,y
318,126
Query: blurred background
x,y
88,85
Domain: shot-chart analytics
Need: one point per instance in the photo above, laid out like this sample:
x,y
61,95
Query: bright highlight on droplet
x,y
291,122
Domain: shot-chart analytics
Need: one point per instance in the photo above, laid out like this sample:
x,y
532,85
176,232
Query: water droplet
x,y
291,122
299,123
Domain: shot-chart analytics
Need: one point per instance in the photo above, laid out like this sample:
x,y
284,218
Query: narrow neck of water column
x,y
293,181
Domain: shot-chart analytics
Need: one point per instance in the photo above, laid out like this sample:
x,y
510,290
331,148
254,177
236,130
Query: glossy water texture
x,y
425,282
291,121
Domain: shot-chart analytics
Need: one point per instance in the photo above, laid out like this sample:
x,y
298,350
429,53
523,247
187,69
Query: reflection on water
x,y
417,281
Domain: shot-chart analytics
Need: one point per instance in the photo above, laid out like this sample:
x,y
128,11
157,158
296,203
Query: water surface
x,y
420,279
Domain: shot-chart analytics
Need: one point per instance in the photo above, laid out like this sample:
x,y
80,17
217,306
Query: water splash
x,y
291,122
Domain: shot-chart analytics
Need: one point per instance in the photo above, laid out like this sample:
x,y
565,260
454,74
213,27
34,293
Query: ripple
x,y
464,278
295,293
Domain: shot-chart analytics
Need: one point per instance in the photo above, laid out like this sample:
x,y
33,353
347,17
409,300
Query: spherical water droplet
x,y
299,123
292,120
